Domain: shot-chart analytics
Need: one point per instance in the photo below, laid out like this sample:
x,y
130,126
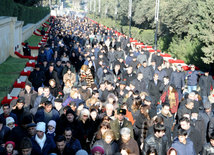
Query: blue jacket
x,y
184,149
192,77
49,146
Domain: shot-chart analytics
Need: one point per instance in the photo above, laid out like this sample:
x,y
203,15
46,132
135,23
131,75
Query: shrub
x,y
23,13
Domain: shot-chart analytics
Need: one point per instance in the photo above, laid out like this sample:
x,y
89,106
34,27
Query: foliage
x,y
27,2
23,13
185,23
145,36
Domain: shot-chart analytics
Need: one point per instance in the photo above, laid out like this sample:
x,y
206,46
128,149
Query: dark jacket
x,y
155,90
192,77
208,149
184,149
110,149
41,116
160,144
147,74
27,97
177,78
205,83
49,146
37,78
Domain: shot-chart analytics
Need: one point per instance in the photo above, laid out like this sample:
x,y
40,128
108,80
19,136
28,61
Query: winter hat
x,y
98,148
70,111
9,120
81,152
207,105
40,126
52,123
10,142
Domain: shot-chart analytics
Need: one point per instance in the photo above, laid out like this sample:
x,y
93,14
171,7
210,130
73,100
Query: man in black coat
x,y
37,77
51,74
156,140
128,76
177,78
154,89
205,83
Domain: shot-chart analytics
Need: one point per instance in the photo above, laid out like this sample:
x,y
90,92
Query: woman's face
x,y
84,117
103,129
108,139
9,148
93,114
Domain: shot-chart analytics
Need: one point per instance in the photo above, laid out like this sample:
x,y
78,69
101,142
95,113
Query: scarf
x,y
41,142
172,100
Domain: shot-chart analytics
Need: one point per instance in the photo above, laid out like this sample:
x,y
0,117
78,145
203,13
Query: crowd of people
x,y
93,92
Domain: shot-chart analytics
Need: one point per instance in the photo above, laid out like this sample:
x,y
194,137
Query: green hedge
x,y
145,36
23,13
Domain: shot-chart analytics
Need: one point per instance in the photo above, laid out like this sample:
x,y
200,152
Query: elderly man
x,y
128,142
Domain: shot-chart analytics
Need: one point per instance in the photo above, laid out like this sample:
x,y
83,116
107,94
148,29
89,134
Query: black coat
x,y
205,83
155,90
160,144
37,78
177,78
51,75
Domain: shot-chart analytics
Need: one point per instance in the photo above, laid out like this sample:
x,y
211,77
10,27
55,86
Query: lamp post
x,y
156,22
99,7
115,12
130,17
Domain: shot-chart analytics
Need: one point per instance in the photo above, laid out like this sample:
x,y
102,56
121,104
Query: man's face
x,y
46,92
190,105
48,108
140,76
160,134
120,117
40,134
19,105
184,125
26,151
70,117
212,142
144,64
165,110
61,145
129,70
31,131
6,110
182,139
68,135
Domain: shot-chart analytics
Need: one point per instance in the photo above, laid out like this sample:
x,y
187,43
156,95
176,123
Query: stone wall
x,y
7,31
12,34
